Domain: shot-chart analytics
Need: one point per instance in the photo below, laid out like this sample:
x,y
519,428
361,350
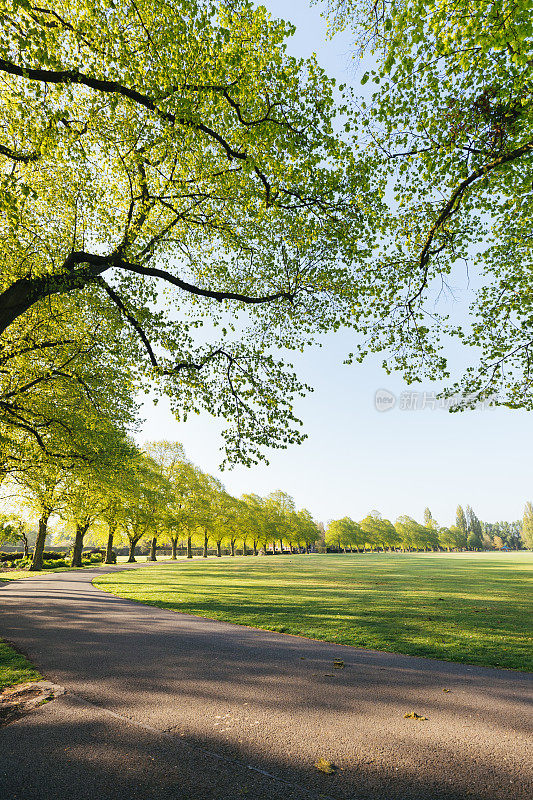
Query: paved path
x,y
163,706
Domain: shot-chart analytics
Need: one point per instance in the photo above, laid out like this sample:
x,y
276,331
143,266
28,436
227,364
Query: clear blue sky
x,y
356,458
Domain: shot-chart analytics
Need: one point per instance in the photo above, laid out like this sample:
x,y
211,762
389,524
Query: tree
x,y
10,533
447,540
462,525
378,531
307,532
184,487
344,533
219,177
451,123
43,490
475,530
279,507
414,536
527,526
139,501
429,522
256,519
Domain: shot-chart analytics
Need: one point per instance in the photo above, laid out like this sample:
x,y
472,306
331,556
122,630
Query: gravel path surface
x,y
162,705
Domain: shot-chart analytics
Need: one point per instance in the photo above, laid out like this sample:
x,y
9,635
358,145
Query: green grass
x,y
465,607
14,668
17,574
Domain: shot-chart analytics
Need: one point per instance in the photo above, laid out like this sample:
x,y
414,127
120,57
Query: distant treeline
x,y
468,533
154,498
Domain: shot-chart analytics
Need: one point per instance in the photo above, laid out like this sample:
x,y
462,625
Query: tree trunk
x,y
255,547
81,530
174,555
307,549
26,548
37,560
244,550
109,549
153,546
219,549
206,540
189,546
232,543
281,546
131,556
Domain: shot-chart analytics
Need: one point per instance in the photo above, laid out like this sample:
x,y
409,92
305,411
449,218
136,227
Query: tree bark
x,y
189,547
37,559
26,548
109,549
281,546
255,547
131,556
244,550
307,549
153,547
219,550
206,540
232,543
174,541
81,530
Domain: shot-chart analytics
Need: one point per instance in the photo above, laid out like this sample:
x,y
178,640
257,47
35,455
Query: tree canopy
x,y
188,172
451,124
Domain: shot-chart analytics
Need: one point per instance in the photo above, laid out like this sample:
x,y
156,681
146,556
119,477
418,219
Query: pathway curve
x,y
165,706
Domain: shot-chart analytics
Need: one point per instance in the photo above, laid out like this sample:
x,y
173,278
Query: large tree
x,y
451,124
186,170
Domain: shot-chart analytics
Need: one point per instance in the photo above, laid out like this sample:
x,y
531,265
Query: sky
x,y
358,457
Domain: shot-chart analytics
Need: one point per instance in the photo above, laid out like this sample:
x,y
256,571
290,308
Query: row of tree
x,y
469,533
156,497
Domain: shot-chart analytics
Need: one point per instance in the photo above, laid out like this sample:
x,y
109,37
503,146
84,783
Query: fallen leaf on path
x,y
338,664
325,766
413,715
446,690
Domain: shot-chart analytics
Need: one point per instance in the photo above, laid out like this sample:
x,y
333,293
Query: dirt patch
x,y
23,698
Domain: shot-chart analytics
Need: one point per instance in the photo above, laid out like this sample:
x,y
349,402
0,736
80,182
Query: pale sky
x,y
357,458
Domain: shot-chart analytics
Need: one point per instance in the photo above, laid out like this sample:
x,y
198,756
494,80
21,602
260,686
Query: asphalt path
x,y
166,706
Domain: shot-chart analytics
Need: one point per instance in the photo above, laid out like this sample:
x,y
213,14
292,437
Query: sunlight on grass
x,y
472,608
14,668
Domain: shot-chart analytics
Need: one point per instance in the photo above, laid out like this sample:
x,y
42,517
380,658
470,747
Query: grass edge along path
x,y
15,668
19,574
467,608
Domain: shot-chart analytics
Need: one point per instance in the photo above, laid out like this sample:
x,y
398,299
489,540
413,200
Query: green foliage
x,y
451,124
188,171
14,668
527,526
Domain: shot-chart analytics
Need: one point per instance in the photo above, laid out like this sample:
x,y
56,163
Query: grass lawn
x,y
16,574
14,668
472,608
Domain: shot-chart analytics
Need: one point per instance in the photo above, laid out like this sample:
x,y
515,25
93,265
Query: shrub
x,y
54,563
51,555
11,556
